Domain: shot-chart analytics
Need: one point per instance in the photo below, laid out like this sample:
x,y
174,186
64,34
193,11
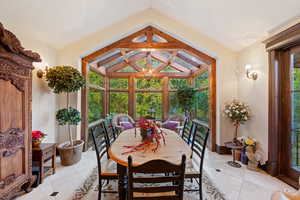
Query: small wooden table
x,y
40,155
234,147
172,151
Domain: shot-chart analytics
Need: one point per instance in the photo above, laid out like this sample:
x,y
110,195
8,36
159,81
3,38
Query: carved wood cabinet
x,y
15,115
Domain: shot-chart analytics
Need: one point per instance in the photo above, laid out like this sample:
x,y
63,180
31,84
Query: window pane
x,y
148,83
148,104
118,83
202,105
118,102
95,102
95,79
202,80
174,107
296,79
177,83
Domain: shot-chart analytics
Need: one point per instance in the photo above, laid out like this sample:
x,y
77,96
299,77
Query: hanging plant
x,y
185,96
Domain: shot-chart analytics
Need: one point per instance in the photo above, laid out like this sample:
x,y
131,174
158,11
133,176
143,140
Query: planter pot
x,y
237,155
69,155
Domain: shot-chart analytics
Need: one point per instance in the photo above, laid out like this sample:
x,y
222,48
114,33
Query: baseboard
x,y
222,150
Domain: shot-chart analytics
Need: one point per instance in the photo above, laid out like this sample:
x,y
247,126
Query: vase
x,y
144,134
36,143
244,158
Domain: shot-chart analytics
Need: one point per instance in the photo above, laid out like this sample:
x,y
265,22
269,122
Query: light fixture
x,y
40,72
250,73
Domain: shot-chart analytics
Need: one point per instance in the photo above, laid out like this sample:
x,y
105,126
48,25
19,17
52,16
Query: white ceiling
x,y
234,23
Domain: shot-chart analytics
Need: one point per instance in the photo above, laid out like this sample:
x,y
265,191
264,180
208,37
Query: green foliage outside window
x,y
95,79
176,83
95,111
118,83
148,104
174,109
202,80
118,102
202,105
142,83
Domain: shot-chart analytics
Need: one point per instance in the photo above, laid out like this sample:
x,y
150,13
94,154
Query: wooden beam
x,y
149,64
143,75
123,52
145,45
123,64
160,67
131,97
165,103
200,71
109,59
163,59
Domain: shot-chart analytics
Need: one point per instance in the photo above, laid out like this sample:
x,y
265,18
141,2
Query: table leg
x,y
41,170
121,170
233,163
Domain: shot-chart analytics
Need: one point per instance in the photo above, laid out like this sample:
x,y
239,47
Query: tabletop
x,y
172,151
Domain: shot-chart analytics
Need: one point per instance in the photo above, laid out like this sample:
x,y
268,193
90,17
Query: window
x,y
95,79
118,83
202,105
148,104
202,80
177,83
150,84
118,102
174,108
95,100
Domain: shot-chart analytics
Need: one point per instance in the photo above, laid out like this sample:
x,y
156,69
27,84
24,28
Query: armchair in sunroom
x,y
123,121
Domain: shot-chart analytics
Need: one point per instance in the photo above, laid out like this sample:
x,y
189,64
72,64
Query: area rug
x,y
89,189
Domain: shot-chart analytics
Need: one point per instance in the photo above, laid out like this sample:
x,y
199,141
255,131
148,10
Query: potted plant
x,y
238,112
185,96
37,137
66,79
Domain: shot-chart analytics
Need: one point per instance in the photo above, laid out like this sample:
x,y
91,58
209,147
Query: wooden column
x,y
106,96
131,97
213,105
84,105
165,98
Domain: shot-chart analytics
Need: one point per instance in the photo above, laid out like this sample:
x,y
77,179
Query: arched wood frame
x,y
170,44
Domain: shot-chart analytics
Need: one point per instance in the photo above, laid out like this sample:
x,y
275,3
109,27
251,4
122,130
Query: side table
x,y
40,155
233,147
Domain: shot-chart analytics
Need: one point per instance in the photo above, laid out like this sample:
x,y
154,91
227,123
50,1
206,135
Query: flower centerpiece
x,y
37,137
238,112
151,135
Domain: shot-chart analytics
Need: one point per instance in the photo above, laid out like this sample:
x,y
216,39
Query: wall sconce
x,y
40,72
250,73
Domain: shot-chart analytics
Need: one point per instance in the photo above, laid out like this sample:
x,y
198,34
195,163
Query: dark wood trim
x,y
222,150
284,39
278,48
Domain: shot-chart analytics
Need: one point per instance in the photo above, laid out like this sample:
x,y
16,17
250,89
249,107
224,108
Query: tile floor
x,y
235,184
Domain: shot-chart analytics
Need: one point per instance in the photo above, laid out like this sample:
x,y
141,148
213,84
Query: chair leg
x,y
200,189
100,190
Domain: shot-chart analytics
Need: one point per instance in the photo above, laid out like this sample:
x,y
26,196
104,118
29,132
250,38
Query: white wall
x,y
255,93
43,100
226,59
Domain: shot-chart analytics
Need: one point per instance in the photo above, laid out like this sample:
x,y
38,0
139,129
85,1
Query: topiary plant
x,y
66,79
185,96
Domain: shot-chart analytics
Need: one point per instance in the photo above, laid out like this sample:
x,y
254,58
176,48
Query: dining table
x,y
171,151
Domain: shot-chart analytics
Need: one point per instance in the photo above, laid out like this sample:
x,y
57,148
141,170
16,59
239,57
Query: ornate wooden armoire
x,y
15,115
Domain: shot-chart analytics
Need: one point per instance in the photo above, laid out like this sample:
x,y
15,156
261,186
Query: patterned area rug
x,y
89,189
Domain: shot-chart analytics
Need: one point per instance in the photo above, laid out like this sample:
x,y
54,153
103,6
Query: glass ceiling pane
x,y
141,38
127,69
189,56
183,63
107,55
169,69
114,62
157,38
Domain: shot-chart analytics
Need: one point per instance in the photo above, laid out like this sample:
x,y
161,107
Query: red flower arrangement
x,y
37,135
150,133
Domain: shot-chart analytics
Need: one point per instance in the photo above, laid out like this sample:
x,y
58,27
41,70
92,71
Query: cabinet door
x,y
13,133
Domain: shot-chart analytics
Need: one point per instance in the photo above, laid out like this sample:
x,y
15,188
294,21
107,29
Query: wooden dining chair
x,y
194,169
188,130
106,167
109,132
148,182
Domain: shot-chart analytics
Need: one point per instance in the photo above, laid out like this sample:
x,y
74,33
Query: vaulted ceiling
x,y
234,23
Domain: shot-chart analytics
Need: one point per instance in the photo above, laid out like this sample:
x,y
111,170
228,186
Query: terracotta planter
x,y
69,155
